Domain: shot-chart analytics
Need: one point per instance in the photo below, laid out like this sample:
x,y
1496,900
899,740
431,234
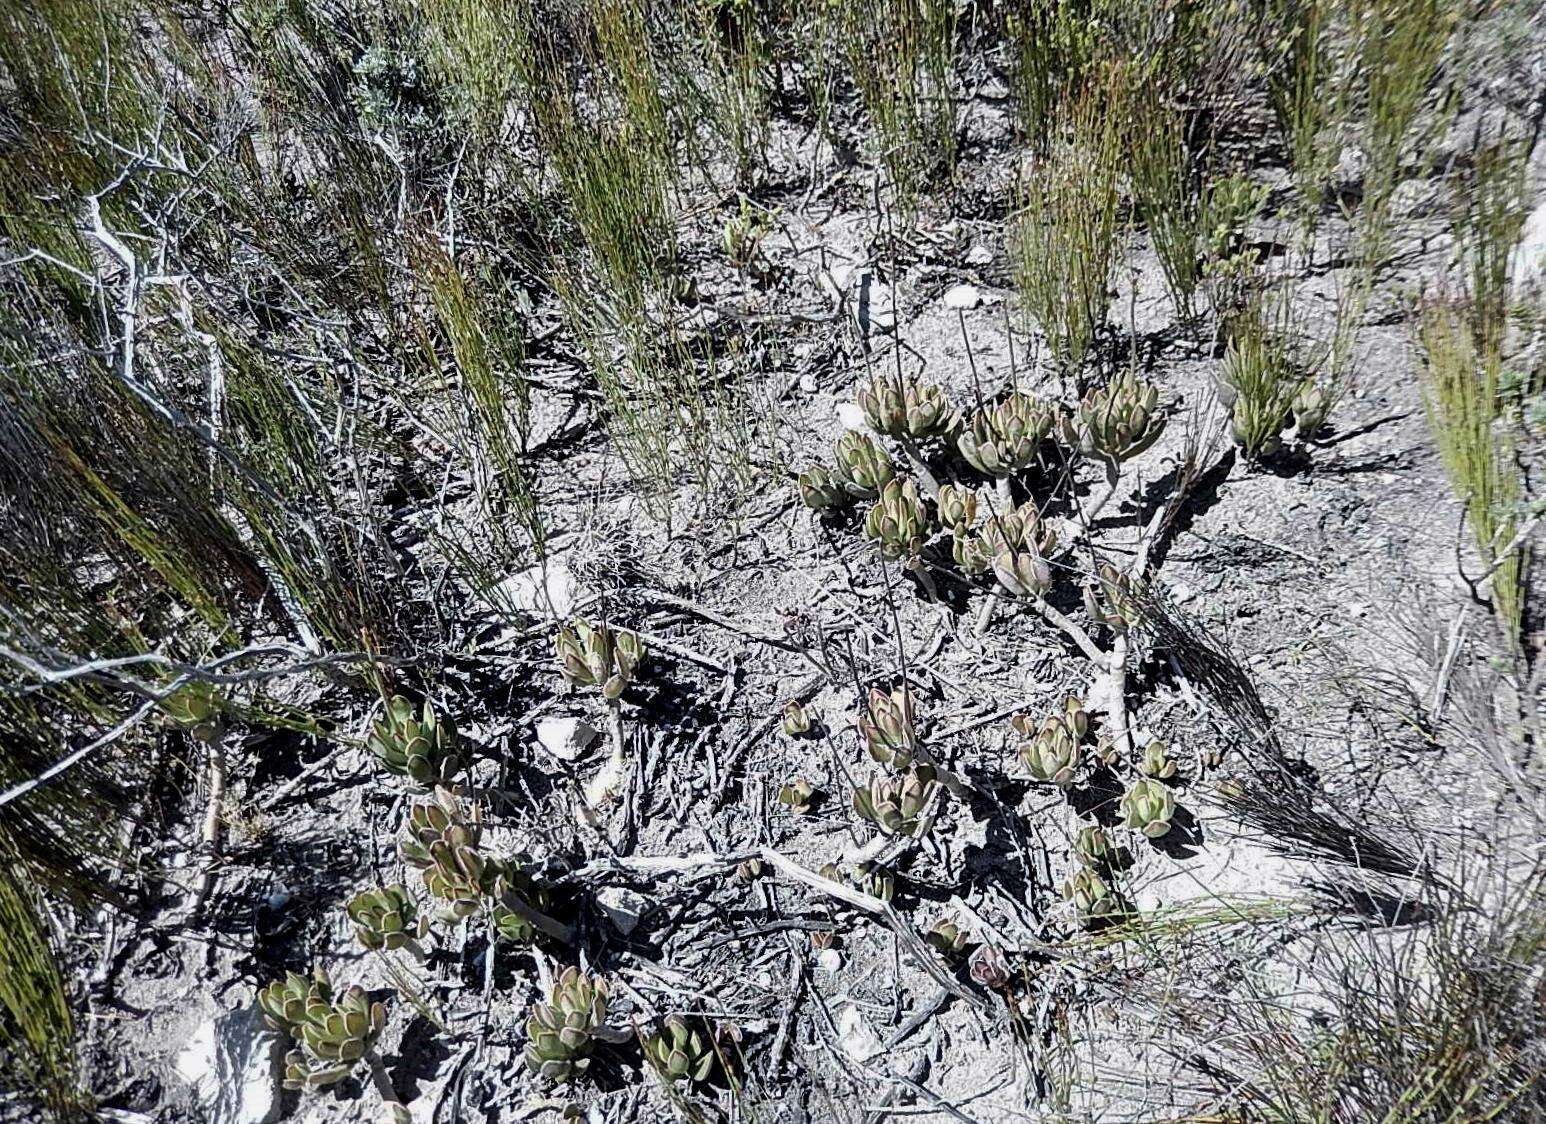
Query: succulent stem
x,y
1113,476
214,740
926,478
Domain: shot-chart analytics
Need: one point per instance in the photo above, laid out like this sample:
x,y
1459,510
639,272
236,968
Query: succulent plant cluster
x,y
415,743
442,844
332,1032
890,733
679,1052
1051,751
1092,895
560,1032
946,937
1016,544
1148,807
896,805
1108,598
1116,422
1156,762
904,407
898,524
1004,438
385,917
596,655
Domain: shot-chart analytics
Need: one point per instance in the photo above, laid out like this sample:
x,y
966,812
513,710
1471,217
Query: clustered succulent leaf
x,y
560,1032
876,881
1003,439
332,1032
863,468
1010,534
796,721
1148,807
896,804
1109,599
415,743
890,733
904,407
1095,849
898,523
515,895
820,488
946,937
1092,895
595,655
1052,752
797,795
748,870
1118,421
442,845
1156,762
677,1051
195,709
1311,407
384,917
957,506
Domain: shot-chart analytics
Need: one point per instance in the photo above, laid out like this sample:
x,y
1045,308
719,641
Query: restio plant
x,y
596,655
560,1032
678,1052
332,1032
385,918
415,743
896,805
1259,384
889,731
1051,752
1148,807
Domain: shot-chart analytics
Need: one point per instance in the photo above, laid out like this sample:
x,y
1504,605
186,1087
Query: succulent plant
x,y
333,1032
957,507
1311,407
195,709
1148,807
863,468
904,407
1118,421
384,917
442,845
1094,847
889,731
1022,573
988,967
678,1051
1108,598
1092,895
748,870
898,523
896,804
946,937
1003,438
822,939
559,1032
796,721
797,796
821,487
415,743
513,889
1156,762
594,655
1052,752
1017,530
876,881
